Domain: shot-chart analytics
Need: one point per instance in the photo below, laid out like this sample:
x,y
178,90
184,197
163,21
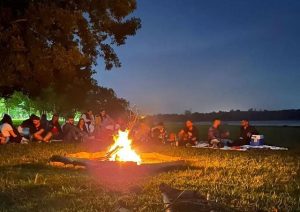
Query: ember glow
x,y
121,150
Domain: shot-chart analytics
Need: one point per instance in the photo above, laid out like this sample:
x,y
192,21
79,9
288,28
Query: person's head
x,y
90,112
70,119
216,123
6,119
103,113
189,124
80,122
245,123
32,116
55,118
36,121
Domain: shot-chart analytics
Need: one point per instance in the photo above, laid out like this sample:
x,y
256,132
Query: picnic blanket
x,y
240,148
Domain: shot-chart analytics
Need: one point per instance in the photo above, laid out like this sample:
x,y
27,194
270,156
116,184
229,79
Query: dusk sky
x,y
210,55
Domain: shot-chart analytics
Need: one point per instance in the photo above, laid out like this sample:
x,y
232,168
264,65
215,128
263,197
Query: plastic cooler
x,y
257,140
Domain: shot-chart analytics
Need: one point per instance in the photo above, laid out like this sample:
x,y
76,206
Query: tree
x,y
55,43
20,101
100,98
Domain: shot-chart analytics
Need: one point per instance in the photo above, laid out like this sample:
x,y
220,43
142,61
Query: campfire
x,y
122,150
120,166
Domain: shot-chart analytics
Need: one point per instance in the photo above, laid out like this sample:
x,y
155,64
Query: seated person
x,y
71,132
107,123
8,132
217,137
172,139
140,131
54,127
189,135
159,132
38,133
89,120
246,131
44,121
82,127
120,124
24,128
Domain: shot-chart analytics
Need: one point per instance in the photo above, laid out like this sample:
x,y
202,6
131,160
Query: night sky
x,y
209,56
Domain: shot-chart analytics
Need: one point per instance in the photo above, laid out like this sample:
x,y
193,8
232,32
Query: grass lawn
x,y
247,181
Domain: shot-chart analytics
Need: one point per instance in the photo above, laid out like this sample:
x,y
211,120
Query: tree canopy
x,y
97,99
53,45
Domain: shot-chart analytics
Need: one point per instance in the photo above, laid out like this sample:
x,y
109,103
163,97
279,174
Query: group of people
x,y
90,126
40,129
216,136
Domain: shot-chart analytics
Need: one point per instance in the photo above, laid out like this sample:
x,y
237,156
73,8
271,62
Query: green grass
x,y
253,180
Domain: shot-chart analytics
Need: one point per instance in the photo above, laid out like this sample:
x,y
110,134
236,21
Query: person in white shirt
x,y
8,132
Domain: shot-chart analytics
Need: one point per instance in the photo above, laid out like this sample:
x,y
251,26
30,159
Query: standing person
x,y
189,134
38,133
89,120
8,131
54,127
216,137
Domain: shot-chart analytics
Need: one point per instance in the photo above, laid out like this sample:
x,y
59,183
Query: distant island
x,y
232,115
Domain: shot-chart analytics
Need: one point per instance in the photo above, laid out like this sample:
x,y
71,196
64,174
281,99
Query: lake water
x,y
295,123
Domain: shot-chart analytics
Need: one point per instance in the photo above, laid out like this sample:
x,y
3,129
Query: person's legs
x,y
238,142
24,132
15,139
73,134
191,142
68,136
57,136
215,143
3,140
47,137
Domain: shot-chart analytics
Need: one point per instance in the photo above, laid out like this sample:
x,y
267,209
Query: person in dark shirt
x,y
71,132
246,131
82,127
159,133
189,134
44,121
54,127
217,137
37,132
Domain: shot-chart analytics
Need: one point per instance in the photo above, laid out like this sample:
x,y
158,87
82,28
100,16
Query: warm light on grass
x,y
247,181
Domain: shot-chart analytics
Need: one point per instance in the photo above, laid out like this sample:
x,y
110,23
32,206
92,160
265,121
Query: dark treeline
x,y
236,115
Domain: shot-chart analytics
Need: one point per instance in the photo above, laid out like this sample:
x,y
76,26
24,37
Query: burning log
x,y
112,152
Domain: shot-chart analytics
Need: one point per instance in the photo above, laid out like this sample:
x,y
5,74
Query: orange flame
x,y
124,151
